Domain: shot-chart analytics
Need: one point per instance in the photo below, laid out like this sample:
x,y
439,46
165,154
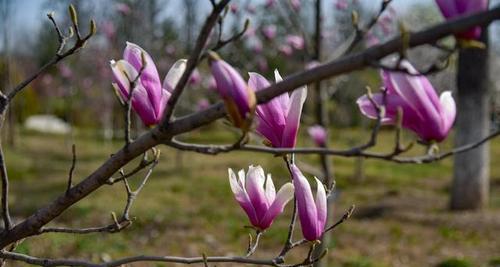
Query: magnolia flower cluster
x,y
406,93
256,194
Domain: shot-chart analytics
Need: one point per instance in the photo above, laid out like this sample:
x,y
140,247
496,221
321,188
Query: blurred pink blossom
x,y
65,71
257,46
170,49
202,104
285,50
295,41
250,8
234,8
108,28
195,78
210,83
295,5
318,134
269,31
123,8
262,63
341,4
270,3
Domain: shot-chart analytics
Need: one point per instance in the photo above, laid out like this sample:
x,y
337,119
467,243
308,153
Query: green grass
x,y
187,207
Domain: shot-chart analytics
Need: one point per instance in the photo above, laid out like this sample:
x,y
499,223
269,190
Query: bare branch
x,y
59,55
192,61
161,134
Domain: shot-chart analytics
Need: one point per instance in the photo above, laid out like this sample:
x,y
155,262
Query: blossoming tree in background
x,y
273,110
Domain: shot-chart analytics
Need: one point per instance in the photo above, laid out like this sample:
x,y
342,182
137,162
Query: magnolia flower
x,y
65,71
295,5
341,4
195,77
250,8
150,95
270,3
262,64
318,134
295,41
285,50
454,8
312,213
238,98
202,104
123,8
279,119
234,8
269,31
424,113
108,28
257,195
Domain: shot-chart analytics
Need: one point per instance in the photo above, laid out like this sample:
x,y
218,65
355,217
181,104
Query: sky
x,y
30,14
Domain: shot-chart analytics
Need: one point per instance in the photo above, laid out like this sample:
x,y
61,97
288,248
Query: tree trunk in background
x,y
471,169
320,100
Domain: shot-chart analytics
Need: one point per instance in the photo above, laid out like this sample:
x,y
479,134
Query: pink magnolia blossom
x,y
429,116
262,64
285,50
65,71
295,5
270,3
295,41
318,134
195,77
454,8
279,119
108,28
238,98
202,104
234,8
257,196
211,84
123,8
269,31
312,213
341,4
257,46
150,95
250,9
170,49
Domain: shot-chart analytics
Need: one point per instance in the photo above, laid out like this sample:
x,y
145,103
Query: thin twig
x,y
193,60
95,180
73,165
59,55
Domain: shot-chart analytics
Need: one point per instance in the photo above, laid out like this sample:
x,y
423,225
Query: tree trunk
x,y
471,169
322,119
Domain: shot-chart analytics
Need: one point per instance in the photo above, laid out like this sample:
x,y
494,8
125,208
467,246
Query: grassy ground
x,y
187,207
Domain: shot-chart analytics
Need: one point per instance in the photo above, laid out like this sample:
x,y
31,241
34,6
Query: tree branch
x,y
156,136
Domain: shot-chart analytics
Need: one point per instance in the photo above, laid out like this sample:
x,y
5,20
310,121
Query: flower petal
x,y
174,74
284,99
285,194
242,197
270,190
149,76
293,118
306,206
449,112
271,113
321,206
255,188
